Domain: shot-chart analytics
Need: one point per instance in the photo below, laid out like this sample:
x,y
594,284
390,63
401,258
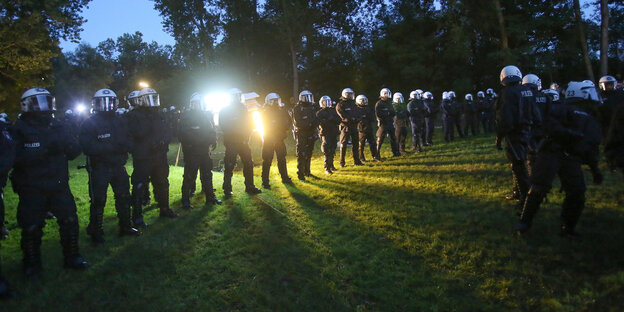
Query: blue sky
x,y
112,18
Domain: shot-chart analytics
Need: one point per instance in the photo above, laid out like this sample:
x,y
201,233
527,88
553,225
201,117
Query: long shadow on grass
x,y
467,231
126,273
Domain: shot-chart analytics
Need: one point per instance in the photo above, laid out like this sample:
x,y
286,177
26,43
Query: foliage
x,y
29,32
422,232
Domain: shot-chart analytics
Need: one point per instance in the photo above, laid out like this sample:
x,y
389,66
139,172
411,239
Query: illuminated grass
x,y
427,232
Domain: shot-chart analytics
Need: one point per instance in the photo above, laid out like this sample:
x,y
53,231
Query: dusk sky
x,y
112,18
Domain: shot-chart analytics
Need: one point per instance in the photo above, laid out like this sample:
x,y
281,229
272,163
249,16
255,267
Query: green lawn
x,y
422,232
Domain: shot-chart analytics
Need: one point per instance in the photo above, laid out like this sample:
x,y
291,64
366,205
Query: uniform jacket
x,y
150,132
43,147
104,137
196,132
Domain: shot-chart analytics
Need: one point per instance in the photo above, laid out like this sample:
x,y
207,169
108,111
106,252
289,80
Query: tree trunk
x,y
583,39
295,70
503,32
604,39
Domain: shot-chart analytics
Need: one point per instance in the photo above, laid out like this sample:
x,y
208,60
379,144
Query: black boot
x,y
186,199
31,248
343,151
125,223
69,241
94,229
531,206
137,210
211,199
252,190
166,212
265,175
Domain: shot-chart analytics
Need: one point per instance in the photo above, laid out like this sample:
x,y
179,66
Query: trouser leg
x,y
268,150
280,155
245,155
160,179
121,188
573,184
191,166
140,180
229,162
99,178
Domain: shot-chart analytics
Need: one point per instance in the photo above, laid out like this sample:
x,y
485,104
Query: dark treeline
x,y
286,46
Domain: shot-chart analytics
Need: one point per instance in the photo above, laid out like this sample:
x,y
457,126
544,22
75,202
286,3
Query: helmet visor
x,y
276,102
607,85
105,104
43,102
309,98
150,100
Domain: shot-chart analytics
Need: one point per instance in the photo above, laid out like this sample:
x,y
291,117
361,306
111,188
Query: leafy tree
x,y
29,32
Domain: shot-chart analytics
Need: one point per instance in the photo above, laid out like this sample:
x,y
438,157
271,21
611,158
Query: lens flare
x,y
215,102
258,123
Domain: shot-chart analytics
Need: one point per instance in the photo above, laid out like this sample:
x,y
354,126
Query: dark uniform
x,y
542,102
366,132
276,123
329,130
471,120
151,136
237,125
450,115
306,122
614,141
561,151
385,119
487,113
400,125
350,115
611,100
513,122
41,179
197,135
105,139
431,113
416,110
7,155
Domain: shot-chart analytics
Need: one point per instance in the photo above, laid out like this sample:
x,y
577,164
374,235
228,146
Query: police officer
x,y
450,114
40,177
350,116
533,82
306,122
489,115
481,114
471,120
385,120
514,115
133,102
400,120
7,155
564,147
329,121
416,111
237,125
431,112
366,128
198,137
611,98
105,139
276,122
614,107
151,135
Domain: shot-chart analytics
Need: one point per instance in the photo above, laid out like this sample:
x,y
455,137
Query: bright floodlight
x,y
80,108
215,102
258,123
143,84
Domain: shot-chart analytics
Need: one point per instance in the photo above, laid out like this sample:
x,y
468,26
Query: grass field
x,y
422,232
